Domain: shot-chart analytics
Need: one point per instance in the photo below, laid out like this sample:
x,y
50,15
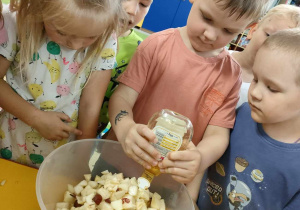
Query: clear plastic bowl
x,y
67,165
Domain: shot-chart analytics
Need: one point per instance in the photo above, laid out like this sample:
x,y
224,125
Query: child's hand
x,y
51,125
136,145
183,165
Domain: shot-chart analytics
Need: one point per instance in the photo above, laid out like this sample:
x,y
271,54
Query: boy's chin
x,y
256,118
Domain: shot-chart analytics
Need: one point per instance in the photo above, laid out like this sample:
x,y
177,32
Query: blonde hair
x,y
285,11
287,41
31,15
253,9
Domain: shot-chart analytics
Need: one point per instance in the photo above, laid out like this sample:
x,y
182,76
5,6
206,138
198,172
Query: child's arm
x,y
133,137
212,147
90,101
194,187
48,124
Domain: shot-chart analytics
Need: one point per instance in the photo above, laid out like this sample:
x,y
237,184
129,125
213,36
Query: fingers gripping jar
x,y
173,131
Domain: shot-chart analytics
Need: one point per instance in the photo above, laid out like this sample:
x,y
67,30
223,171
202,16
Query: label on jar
x,y
167,141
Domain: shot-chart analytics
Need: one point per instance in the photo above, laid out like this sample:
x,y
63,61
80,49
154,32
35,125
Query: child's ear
x,y
253,28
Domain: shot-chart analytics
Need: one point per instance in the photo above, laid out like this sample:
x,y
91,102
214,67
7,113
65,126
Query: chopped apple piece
x,y
69,197
89,199
128,202
97,178
104,206
109,192
71,188
133,190
141,205
126,181
162,205
104,193
133,181
124,186
62,205
83,183
143,194
117,205
80,200
93,184
84,192
120,176
110,186
117,195
105,172
87,177
155,203
78,189
88,207
101,182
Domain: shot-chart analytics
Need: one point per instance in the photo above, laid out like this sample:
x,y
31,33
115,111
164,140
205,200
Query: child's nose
x,y
132,7
254,92
210,34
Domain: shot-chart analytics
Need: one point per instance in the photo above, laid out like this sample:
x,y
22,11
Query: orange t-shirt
x,y
167,75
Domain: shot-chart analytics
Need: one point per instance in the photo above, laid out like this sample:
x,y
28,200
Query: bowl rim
x,y
42,166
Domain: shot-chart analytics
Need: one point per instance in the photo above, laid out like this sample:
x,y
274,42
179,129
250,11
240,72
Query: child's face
x,y
274,94
136,10
209,27
267,28
75,34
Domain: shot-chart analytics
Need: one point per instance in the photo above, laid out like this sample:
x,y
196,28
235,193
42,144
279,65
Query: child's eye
x,y
227,31
267,34
273,90
60,33
92,37
143,5
205,18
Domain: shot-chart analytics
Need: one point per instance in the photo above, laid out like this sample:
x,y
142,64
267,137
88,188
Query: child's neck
x,y
287,132
186,40
246,61
127,33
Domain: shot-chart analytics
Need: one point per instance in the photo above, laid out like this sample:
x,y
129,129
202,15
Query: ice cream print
x,y
241,164
238,193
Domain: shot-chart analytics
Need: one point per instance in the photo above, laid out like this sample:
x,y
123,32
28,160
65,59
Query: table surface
x,y
18,192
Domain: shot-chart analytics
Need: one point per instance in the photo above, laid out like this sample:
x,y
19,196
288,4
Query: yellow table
x,y
18,193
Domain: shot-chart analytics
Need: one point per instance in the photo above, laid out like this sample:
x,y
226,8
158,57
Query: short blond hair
x,y
287,41
288,12
252,9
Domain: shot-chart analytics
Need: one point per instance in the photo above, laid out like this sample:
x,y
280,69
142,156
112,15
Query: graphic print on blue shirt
x,y
255,172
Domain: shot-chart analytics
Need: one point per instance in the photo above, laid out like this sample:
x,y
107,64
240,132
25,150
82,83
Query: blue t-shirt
x,y
256,171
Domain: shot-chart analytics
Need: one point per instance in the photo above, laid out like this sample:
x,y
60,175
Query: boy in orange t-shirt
x,y
188,71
